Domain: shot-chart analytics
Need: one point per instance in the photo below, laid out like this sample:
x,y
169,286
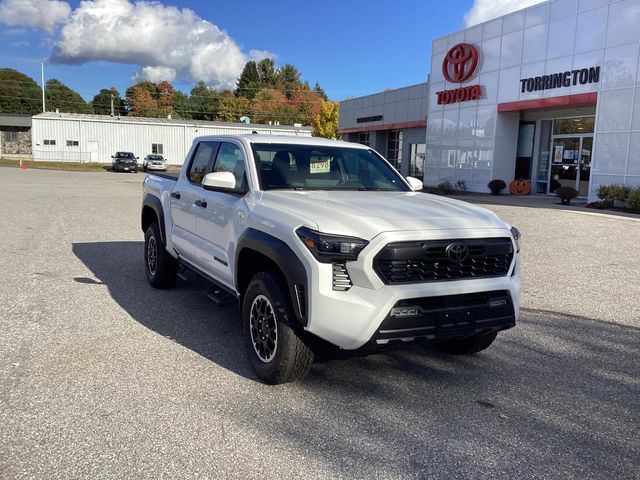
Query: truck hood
x,y
367,214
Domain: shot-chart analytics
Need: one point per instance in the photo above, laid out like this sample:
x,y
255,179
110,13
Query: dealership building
x,y
549,94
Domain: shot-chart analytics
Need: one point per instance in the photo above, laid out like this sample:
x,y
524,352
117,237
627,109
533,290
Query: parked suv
x,y
319,238
154,162
124,162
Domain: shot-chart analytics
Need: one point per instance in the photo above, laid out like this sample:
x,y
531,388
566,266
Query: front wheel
x,y
160,267
272,339
468,345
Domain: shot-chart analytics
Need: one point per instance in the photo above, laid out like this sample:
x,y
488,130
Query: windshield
x,y
124,155
311,167
155,157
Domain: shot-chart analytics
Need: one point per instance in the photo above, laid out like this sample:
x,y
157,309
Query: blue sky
x,y
351,48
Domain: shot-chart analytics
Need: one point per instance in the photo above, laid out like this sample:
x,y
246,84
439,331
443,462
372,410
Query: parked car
x,y
124,162
154,162
320,238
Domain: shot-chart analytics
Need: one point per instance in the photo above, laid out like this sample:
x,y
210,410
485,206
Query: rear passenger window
x,y
231,159
200,162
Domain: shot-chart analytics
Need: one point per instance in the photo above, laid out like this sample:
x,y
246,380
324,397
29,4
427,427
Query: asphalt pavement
x,y
103,377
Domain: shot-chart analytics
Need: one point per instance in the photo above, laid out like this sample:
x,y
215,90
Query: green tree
x,y
231,108
267,72
101,103
19,93
249,81
320,92
61,97
325,123
182,106
288,80
204,101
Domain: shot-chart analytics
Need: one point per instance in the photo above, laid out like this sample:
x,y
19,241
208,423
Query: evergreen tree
x,y
61,97
101,103
249,81
182,106
267,72
320,92
204,101
19,93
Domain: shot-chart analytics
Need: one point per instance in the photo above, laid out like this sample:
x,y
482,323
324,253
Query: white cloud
x,y
155,74
483,10
257,55
162,40
43,14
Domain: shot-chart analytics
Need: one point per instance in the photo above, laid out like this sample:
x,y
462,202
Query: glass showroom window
x,y
10,136
394,148
364,138
156,149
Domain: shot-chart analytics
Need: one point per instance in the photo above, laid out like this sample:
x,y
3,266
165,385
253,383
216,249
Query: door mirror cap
x,y
415,184
219,181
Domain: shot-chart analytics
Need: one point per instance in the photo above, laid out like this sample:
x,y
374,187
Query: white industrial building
x,y
70,137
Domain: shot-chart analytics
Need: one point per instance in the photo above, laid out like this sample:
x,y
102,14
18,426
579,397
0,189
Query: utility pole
x,y
42,78
112,113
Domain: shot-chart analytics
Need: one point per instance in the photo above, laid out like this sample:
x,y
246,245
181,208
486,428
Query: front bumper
x,y
125,167
352,318
151,166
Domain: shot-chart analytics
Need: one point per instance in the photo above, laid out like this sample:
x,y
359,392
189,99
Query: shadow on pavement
x,y
556,397
183,314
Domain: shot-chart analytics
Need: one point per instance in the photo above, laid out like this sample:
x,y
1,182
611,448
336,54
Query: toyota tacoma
x,y
325,239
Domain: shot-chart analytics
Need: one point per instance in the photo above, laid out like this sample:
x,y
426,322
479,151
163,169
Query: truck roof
x,y
284,139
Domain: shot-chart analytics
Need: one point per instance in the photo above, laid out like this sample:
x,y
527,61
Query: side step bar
x,y
217,293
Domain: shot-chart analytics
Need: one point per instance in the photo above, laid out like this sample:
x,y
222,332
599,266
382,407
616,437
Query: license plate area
x,y
456,323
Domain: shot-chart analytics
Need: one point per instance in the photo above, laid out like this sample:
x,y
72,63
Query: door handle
x,y
200,203
175,195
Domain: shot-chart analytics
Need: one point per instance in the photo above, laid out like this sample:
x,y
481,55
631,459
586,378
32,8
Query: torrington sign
x,y
459,65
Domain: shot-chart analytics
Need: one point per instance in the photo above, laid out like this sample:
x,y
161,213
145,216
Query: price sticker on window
x,y
320,164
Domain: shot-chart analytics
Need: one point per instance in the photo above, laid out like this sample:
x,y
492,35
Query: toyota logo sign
x,y
457,252
460,63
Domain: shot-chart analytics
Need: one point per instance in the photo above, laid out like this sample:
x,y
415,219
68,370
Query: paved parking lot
x,y
103,377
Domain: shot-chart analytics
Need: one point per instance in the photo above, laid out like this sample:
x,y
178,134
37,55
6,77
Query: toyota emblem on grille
x,y
457,252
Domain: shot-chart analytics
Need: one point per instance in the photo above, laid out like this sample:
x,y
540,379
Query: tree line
x,y
263,93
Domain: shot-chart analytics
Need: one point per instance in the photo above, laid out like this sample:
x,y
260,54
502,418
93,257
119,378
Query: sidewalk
x,y
540,201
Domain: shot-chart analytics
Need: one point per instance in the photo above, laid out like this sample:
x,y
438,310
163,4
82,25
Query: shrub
x,y
431,189
613,192
461,186
496,185
566,194
633,199
445,188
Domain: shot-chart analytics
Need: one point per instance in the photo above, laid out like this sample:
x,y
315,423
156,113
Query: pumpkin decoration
x,y
520,187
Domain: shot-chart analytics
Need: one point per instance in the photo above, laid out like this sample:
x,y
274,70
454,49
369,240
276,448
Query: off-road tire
x,y
468,345
292,357
161,268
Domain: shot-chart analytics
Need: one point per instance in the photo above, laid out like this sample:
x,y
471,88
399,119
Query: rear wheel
x,y
271,336
160,267
468,345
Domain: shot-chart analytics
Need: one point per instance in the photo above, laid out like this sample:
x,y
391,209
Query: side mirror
x,y
137,158
219,181
113,156
415,184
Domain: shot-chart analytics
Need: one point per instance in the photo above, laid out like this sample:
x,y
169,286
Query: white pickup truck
x,y
320,238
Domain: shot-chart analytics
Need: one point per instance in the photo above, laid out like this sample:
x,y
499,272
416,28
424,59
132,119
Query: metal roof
x,y
15,120
166,121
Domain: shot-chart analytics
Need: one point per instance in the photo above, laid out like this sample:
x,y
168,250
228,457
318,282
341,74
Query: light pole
x,y
42,79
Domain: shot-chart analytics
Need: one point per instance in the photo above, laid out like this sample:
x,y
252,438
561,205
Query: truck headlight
x,y
331,248
516,236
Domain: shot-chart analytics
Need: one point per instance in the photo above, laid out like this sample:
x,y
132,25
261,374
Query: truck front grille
x,y
428,261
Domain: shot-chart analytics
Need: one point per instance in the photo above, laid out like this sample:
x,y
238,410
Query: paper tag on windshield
x,y
320,165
